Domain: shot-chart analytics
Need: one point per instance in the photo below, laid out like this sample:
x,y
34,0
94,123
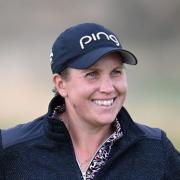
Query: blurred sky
x,y
150,29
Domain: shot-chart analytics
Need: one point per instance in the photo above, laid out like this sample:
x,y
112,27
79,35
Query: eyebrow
x,y
96,68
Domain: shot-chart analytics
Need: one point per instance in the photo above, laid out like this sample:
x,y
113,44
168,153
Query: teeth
x,y
104,102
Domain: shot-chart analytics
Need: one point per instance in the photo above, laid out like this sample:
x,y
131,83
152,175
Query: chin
x,y
106,120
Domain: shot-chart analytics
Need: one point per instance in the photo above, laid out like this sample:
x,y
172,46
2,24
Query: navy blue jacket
x,y
43,150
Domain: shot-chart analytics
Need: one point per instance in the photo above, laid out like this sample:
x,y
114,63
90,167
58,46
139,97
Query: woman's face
x,y
95,95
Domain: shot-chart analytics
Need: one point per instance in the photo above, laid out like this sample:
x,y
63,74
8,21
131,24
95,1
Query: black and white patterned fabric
x,y
102,154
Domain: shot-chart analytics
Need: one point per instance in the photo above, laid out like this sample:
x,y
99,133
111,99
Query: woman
x,y
93,98
87,133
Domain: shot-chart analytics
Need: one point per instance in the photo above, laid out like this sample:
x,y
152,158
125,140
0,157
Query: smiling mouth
x,y
107,102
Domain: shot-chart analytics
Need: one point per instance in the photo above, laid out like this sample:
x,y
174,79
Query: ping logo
x,y
95,37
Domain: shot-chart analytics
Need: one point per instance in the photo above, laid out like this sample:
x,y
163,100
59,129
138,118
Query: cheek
x,y
126,86
125,83
78,91
123,86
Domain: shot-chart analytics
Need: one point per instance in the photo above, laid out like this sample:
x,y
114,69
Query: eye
x,y
117,72
92,74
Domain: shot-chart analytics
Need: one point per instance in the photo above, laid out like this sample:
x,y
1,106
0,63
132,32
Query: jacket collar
x,y
57,130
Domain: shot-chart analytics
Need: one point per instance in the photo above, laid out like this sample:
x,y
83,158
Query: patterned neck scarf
x,y
103,152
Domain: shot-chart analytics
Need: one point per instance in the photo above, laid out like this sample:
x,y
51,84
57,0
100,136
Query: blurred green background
x,y
150,29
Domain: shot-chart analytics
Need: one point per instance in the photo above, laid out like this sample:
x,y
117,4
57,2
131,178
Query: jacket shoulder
x,y
22,132
149,132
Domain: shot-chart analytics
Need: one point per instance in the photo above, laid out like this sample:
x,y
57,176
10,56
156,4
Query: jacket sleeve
x,y
1,159
172,158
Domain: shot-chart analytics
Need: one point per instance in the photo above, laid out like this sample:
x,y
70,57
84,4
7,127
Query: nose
x,y
106,85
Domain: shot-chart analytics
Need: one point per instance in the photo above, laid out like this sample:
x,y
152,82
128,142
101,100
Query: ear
x,y
60,84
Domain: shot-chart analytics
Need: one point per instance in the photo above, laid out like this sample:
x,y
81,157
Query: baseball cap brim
x,y
89,59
